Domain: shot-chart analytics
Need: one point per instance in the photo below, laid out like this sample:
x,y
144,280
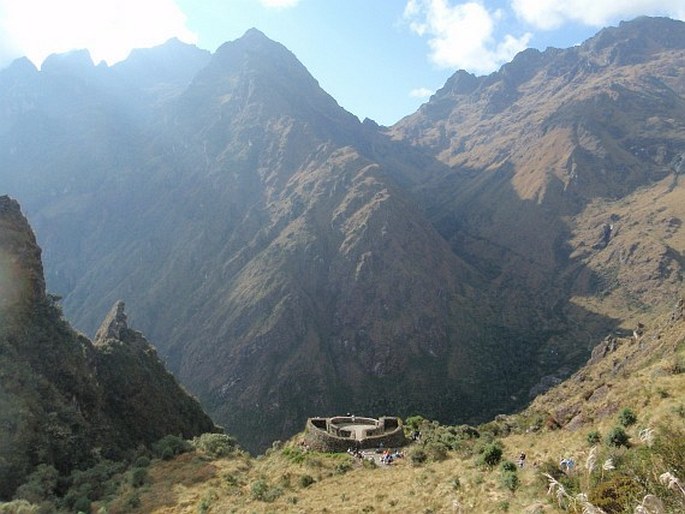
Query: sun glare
x,y
108,29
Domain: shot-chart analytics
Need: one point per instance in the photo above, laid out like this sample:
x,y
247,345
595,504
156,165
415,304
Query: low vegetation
x,y
574,450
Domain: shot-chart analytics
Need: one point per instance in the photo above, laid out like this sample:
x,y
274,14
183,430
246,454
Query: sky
x,y
379,59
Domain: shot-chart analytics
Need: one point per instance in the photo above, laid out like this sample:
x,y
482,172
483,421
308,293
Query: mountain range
x,y
288,260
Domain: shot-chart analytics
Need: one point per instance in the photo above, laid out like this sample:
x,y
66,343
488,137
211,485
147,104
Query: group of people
x,y
355,452
387,457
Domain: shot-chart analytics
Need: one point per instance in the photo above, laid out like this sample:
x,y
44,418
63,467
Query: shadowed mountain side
x,y
347,290
65,402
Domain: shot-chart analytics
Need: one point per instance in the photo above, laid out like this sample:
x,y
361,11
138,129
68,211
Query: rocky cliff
x,y
64,401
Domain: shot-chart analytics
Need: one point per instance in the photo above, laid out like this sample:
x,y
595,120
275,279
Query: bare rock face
x,y
21,269
113,325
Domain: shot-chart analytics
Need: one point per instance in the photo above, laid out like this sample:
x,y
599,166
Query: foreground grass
x,y
638,389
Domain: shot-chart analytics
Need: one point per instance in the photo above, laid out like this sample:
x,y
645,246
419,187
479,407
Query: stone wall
x,y
386,432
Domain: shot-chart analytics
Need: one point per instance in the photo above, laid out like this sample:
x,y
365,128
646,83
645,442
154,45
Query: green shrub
x,y
142,462
436,451
627,417
343,468
262,491
40,485
490,454
615,495
18,507
133,501
456,483
507,466
510,480
414,422
295,455
594,437
82,504
617,437
418,456
169,446
138,476
369,463
306,481
215,445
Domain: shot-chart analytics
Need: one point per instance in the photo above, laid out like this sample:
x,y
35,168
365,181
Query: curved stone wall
x,y
329,434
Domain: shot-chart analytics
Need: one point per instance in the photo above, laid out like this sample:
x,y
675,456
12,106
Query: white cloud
x,y
551,14
279,4
462,35
421,92
108,28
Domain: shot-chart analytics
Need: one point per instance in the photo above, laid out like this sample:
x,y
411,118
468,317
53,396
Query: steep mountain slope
x,y
64,400
554,148
308,278
290,259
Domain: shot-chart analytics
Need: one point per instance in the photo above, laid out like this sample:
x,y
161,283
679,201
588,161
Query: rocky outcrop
x,y
143,400
113,325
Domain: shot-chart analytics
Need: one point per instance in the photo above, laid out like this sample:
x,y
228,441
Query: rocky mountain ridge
x,y
291,259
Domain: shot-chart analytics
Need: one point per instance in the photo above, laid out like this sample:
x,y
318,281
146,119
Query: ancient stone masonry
x,y
339,433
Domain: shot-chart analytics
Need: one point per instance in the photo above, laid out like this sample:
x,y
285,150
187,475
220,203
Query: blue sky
x,y
378,58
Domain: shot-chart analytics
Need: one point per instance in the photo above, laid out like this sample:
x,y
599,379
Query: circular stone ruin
x,y
339,433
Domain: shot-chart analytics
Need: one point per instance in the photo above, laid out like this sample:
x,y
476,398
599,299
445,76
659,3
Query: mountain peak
x,y
635,40
21,66
70,62
252,41
254,33
113,325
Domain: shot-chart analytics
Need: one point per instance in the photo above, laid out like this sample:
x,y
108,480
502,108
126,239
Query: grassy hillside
x,y
631,387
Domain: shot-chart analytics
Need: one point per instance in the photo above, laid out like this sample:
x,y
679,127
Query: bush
x,y
142,462
617,437
506,466
262,491
510,480
414,422
215,445
133,501
490,454
138,476
616,495
594,437
169,446
343,468
456,483
627,417
306,481
295,455
40,485
418,456
436,451
18,507
369,463
82,504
